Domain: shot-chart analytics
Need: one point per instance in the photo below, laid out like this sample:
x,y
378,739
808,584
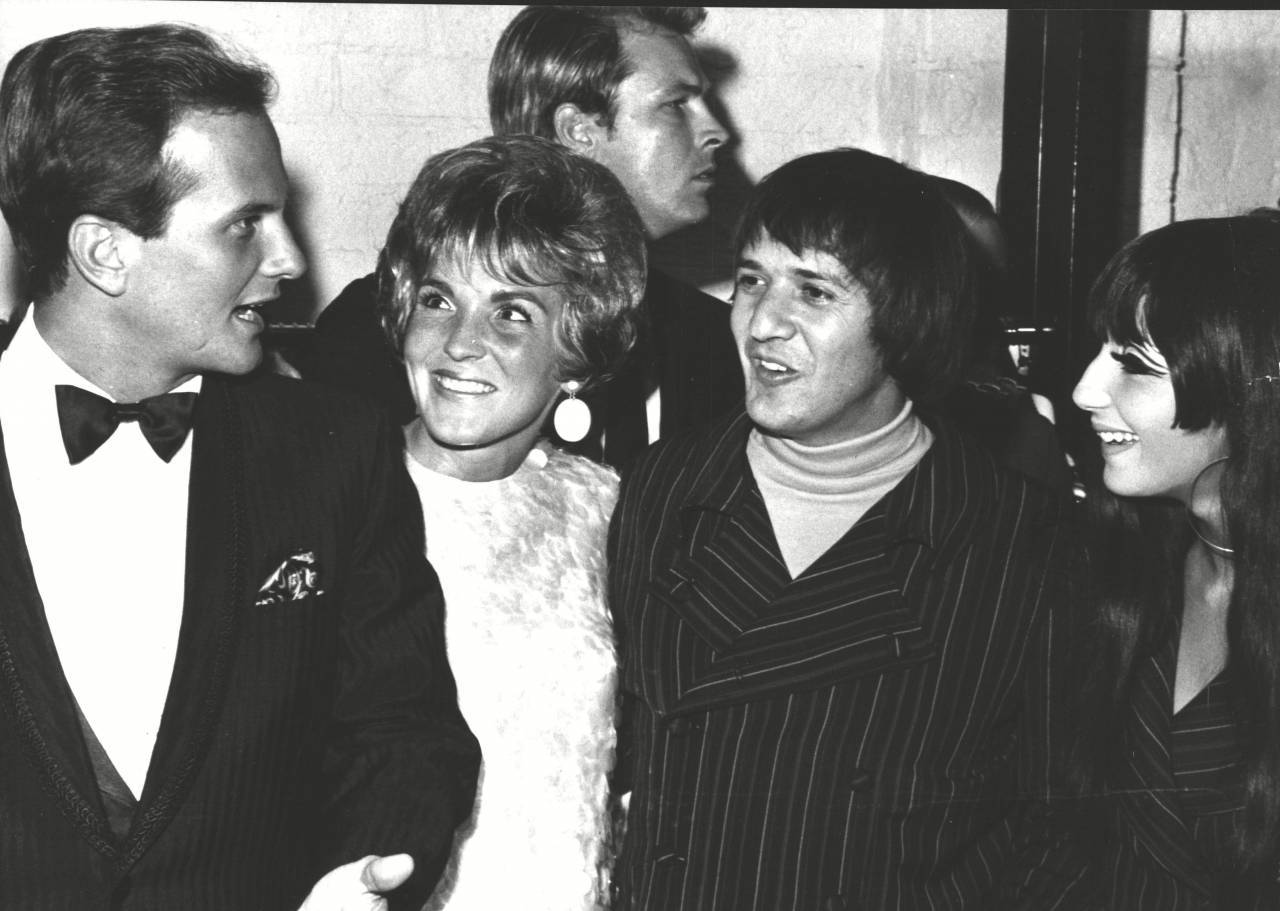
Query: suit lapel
x,y
1147,789
728,570
34,686
748,628
215,590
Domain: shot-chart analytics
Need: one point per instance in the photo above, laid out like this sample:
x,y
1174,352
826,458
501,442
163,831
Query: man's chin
x,y
770,423
693,214
248,360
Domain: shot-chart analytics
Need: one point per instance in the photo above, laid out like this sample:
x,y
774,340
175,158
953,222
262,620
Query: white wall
x,y
923,86
367,91
1230,143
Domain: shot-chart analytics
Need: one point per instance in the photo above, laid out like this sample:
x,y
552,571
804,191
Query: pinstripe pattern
x,y
294,737
875,734
1152,858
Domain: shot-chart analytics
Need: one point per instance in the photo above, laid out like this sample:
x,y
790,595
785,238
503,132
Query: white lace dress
x,y
522,564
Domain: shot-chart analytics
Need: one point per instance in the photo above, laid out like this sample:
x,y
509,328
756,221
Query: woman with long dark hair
x,y
1182,699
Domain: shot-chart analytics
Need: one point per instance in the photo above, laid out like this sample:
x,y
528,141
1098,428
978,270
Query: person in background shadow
x,y
511,278
1180,689
621,86
839,619
222,664
992,402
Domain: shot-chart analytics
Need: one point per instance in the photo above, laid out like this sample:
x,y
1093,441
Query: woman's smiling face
x,y
482,361
1128,393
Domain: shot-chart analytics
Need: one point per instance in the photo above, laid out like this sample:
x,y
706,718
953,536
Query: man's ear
x,y
577,130
99,250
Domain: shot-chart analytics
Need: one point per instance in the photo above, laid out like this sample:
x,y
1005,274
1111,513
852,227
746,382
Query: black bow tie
x,y
87,420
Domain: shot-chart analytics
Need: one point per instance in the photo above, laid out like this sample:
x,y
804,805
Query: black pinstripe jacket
x,y
1152,851
879,733
296,735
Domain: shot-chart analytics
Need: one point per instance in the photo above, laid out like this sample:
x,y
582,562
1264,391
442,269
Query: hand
x,y
355,886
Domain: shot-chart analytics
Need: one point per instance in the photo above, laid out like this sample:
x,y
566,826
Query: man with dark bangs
x,y
838,618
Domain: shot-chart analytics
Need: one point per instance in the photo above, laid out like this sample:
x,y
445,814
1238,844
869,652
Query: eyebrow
x,y
1144,353
830,278
251,208
437,284
1147,354
685,88
807,274
526,296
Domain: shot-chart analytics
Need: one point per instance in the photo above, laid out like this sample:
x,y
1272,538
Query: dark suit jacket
x,y
877,733
1147,844
686,344
295,736
350,351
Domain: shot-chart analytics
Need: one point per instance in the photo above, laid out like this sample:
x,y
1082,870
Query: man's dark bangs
x,y
820,227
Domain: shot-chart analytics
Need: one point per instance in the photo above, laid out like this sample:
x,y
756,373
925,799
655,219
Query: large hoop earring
x,y
572,417
1214,546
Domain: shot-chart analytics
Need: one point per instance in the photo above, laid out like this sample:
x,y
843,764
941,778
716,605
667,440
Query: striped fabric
x,y
296,735
1175,798
1205,749
875,734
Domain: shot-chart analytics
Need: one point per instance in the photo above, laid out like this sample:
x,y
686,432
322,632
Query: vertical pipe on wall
x,y
1181,65
1070,181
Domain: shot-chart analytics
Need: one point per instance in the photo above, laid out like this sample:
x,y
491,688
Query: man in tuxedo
x,y
620,85
222,670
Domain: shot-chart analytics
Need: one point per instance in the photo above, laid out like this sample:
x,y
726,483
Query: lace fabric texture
x,y
522,564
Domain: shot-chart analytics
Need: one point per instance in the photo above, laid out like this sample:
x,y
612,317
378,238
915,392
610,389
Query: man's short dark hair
x,y
553,55
83,122
893,232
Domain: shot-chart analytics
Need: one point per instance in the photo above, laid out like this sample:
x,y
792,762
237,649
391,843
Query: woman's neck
x,y
481,463
1207,580
1205,513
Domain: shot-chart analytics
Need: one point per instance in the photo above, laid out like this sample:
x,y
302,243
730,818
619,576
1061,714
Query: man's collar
x,y
719,484
946,493
936,497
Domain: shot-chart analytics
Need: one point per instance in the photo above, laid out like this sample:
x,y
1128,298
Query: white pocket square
x,y
293,580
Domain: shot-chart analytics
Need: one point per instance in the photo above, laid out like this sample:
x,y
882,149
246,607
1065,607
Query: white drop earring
x,y
572,418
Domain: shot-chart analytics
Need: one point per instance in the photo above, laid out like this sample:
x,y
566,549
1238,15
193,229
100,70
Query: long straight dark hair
x,y
1206,293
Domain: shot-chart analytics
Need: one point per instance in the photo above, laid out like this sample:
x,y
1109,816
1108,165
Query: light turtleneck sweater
x,y
814,494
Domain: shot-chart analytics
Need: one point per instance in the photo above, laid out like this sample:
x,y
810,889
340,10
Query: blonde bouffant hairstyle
x,y
528,212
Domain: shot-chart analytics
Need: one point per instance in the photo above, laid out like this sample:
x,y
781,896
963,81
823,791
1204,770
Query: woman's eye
x,y
747,282
1132,362
431,300
515,314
